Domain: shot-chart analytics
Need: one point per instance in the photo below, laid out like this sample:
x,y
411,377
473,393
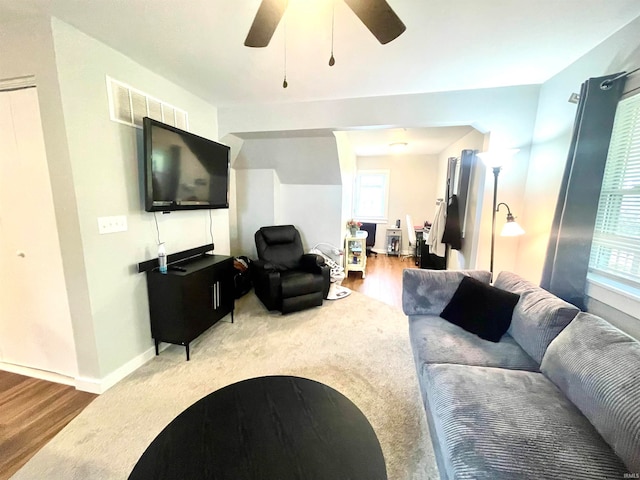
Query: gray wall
x,y
94,165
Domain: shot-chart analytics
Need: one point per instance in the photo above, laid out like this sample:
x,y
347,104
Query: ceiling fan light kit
x,y
376,15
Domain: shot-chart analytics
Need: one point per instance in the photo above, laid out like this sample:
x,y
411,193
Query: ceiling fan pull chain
x,y
284,26
332,60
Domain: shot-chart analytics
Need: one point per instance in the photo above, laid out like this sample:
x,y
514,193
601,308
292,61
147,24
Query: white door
x,y
35,321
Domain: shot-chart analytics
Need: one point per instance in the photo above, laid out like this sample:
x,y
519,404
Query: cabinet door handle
x,y
215,295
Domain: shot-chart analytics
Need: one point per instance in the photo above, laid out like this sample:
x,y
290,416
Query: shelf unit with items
x,y
355,258
394,241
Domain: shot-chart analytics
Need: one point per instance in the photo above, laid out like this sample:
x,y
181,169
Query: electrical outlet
x,y
113,224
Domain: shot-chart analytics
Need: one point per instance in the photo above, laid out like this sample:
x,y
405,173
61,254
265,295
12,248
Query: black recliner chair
x,y
284,277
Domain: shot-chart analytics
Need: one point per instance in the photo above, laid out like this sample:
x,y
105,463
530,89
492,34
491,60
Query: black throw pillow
x,y
481,309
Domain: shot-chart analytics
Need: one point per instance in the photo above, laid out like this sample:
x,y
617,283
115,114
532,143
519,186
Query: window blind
x,y
615,251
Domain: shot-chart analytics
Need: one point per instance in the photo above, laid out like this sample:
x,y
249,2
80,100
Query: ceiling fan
x,y
376,15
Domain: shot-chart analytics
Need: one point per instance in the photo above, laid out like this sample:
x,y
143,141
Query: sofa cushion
x,y
598,368
494,424
481,309
435,340
539,315
427,292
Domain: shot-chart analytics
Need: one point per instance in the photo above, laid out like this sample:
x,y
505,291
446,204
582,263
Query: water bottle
x,y
162,258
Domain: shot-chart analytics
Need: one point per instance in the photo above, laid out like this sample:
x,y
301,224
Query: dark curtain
x,y
567,260
452,234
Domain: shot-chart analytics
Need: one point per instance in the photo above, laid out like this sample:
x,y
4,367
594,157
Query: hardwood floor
x,y
32,411
383,278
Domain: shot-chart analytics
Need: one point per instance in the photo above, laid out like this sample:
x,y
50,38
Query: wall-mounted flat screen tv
x,y
183,171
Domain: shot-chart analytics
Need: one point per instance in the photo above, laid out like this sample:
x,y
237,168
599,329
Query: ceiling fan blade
x,y
379,18
265,23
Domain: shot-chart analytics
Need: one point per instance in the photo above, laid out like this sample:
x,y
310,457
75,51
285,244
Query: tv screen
x,y
183,171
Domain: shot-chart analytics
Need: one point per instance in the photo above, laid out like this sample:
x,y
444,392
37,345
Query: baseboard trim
x,y
101,385
87,384
36,373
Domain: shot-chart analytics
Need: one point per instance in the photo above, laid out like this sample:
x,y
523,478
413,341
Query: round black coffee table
x,y
269,428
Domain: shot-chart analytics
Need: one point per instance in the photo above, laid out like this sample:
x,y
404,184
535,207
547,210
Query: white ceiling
x,y
452,45
377,141
420,141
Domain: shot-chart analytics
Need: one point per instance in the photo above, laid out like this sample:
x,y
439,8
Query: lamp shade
x,y
511,228
497,158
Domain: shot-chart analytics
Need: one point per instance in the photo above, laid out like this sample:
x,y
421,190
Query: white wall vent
x,y
129,105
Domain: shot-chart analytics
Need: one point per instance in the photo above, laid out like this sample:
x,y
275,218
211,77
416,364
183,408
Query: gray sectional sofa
x,y
558,397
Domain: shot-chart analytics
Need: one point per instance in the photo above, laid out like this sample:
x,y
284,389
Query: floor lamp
x,y
495,161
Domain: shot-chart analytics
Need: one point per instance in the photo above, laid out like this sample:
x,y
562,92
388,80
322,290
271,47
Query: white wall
x,y
412,190
348,167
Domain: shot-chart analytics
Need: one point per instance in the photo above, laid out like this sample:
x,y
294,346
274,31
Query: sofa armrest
x,y
427,292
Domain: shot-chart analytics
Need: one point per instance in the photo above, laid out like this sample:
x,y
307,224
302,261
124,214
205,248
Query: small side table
x,y
394,241
355,258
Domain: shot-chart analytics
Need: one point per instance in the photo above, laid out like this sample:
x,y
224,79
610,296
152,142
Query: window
x,y
371,195
615,252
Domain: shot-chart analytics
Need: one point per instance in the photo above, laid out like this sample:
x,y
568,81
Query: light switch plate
x,y
117,223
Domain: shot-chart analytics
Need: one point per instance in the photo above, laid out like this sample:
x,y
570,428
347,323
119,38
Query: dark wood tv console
x,y
195,293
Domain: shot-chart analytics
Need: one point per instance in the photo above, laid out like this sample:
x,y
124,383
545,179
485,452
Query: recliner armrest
x,y
267,266
312,262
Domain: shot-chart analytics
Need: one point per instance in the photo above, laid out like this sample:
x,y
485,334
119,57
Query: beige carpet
x,y
357,345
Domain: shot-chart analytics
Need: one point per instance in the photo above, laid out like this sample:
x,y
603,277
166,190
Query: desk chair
x,y
370,228
411,235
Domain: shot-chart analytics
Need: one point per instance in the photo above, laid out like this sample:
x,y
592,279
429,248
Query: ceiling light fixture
x,y
397,147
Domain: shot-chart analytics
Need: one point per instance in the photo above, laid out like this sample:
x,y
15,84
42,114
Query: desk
x,y
274,427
